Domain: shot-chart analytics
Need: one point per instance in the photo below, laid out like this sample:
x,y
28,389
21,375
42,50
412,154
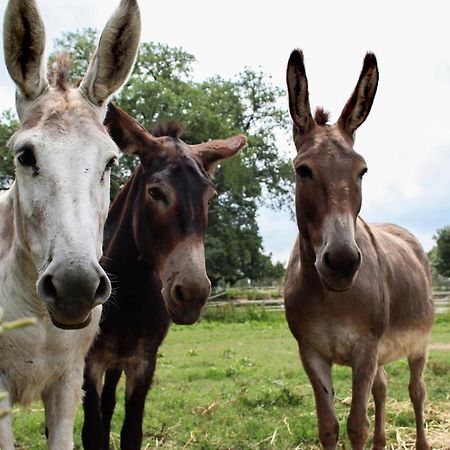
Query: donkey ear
x,y
115,55
24,43
297,84
357,109
127,133
212,152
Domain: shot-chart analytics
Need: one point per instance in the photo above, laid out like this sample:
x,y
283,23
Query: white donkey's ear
x,y
24,43
115,55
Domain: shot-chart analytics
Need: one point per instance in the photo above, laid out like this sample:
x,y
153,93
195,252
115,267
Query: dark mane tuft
x,y
58,72
170,128
321,116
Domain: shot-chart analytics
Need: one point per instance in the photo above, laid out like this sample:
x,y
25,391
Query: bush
x,y
253,294
231,314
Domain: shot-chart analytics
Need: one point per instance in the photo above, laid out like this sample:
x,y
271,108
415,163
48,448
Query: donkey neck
x,y
305,248
121,254
7,223
18,272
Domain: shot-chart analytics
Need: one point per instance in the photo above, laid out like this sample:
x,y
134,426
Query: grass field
x,y
237,383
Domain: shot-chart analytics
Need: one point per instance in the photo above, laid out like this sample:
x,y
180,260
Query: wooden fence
x,y
441,298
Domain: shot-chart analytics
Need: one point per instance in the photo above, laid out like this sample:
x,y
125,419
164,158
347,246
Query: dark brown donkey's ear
x,y
212,152
297,85
129,135
357,109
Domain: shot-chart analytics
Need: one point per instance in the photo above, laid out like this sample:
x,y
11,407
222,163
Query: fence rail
x,y
441,299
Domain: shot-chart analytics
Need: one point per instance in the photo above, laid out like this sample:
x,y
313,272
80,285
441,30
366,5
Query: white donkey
x,y
51,219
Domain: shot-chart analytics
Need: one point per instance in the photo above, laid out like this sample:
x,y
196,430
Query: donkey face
x,y
329,173
171,214
63,155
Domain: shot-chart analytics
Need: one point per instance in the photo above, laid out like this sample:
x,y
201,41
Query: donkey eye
x,y
362,173
304,172
157,194
26,157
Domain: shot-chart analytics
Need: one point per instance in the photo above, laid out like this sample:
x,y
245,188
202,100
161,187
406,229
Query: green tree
x,y
81,46
161,87
8,125
440,254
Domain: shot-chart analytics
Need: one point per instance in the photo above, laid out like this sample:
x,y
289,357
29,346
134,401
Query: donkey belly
x,y
398,344
338,341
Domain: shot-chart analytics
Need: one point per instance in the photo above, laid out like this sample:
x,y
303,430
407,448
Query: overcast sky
x,y
405,140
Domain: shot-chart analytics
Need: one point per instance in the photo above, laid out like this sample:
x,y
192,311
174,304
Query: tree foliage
x,y
440,254
8,125
162,87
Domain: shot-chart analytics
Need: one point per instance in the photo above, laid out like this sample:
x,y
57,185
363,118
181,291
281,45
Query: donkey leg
x,y
138,383
364,368
6,435
108,402
318,370
61,401
417,393
92,432
379,389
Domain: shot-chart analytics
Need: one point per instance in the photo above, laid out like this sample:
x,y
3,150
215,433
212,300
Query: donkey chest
x,y
33,358
135,328
335,341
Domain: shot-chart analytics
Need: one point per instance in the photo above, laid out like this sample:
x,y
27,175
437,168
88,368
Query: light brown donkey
x,y
356,294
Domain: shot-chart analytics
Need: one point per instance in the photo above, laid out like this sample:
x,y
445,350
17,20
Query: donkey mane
x,y
321,116
58,72
169,128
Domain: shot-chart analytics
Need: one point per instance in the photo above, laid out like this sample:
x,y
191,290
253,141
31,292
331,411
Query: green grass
x,y
238,384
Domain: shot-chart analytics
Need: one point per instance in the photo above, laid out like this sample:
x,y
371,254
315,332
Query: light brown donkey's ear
x,y
357,109
212,152
297,85
127,133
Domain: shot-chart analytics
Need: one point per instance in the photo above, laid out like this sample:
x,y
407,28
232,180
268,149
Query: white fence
x,y
442,300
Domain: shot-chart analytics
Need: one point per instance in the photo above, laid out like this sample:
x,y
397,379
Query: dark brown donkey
x,y
356,294
154,239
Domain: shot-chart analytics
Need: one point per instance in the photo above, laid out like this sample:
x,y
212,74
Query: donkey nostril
x,y
48,288
102,291
179,293
345,262
326,259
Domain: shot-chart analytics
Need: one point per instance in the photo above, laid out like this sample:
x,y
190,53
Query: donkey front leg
x,y
139,380
379,389
318,370
108,402
417,393
92,432
6,436
364,367
61,401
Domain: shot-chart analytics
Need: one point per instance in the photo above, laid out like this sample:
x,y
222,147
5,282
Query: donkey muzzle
x,y
71,290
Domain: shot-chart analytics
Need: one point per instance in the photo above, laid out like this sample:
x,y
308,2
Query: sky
x,y
406,138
